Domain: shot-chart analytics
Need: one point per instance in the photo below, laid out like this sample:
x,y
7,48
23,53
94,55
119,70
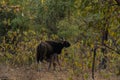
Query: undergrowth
x,y
77,59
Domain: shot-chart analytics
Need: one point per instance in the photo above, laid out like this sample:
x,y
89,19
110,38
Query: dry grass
x,y
8,72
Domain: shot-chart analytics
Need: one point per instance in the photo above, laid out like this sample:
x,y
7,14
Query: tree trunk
x,y
102,64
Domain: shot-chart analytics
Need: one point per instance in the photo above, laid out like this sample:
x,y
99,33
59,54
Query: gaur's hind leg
x,y
39,63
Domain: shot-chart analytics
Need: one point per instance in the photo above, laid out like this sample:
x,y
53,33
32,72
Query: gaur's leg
x,y
54,61
50,62
58,62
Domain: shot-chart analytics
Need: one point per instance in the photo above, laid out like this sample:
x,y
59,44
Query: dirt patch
x,y
21,73
30,73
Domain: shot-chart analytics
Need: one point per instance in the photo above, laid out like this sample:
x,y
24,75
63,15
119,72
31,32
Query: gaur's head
x,y
66,44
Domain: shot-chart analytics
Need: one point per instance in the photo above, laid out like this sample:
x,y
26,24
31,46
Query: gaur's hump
x,y
53,43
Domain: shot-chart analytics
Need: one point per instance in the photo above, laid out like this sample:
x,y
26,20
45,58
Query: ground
x,y
8,72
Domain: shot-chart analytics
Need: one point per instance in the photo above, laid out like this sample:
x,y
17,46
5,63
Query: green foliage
x,y
51,12
67,30
25,23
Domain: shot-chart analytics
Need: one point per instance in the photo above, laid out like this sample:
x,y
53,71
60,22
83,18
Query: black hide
x,y
45,50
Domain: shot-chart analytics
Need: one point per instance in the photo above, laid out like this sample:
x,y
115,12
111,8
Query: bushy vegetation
x,y
87,24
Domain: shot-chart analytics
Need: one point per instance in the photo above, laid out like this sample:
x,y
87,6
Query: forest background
x,y
91,26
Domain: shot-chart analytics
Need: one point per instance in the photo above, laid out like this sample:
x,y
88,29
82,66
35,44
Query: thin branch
x,y
93,64
117,51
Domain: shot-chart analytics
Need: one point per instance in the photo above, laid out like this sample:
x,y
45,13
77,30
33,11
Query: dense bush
x,y
86,24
